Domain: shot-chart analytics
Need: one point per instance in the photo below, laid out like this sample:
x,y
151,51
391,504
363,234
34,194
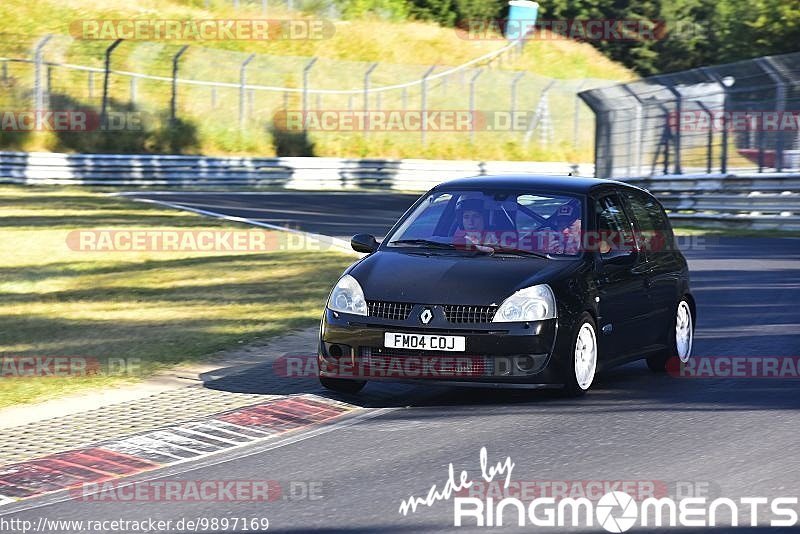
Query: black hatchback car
x,y
511,281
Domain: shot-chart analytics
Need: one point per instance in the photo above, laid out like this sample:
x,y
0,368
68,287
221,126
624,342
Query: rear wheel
x,y
583,360
342,385
681,337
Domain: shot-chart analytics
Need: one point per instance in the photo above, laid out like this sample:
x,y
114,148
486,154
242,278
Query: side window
x,y
613,226
653,230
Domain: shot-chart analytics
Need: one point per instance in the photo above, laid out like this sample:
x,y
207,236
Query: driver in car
x,y
563,235
470,232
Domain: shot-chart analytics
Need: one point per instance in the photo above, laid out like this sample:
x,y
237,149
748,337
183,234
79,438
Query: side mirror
x,y
364,243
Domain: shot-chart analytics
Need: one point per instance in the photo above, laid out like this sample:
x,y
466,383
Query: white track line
x,y
334,242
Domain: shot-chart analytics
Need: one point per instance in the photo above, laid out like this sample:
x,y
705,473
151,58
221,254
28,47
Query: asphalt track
x,y
332,214
727,437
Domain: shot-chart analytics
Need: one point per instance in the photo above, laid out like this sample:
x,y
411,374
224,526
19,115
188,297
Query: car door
x,y
662,267
623,300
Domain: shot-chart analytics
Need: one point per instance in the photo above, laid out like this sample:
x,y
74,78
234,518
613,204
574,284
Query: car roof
x,y
571,184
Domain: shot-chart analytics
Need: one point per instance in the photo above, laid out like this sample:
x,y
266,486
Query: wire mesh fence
x,y
742,116
177,93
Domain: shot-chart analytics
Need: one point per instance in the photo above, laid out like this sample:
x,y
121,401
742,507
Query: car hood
x,y
396,276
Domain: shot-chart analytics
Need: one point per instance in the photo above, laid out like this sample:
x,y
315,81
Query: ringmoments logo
x,y
615,511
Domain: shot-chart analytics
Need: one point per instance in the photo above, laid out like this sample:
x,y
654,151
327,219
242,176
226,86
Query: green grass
x,y
403,48
164,308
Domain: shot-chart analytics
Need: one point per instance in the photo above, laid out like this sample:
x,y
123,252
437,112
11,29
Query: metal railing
x,y
738,117
747,201
45,168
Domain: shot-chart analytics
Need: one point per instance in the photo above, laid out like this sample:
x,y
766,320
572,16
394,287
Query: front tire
x,y
582,365
342,385
681,338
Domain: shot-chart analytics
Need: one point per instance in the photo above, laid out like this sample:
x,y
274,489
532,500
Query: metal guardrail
x,y
758,200
287,172
744,201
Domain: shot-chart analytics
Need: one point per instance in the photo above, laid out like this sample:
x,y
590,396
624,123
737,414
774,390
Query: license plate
x,y
424,342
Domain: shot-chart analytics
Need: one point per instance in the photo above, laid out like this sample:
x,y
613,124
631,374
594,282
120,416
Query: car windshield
x,y
498,222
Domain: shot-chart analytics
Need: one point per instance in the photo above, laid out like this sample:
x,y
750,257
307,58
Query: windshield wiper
x,y
517,252
422,242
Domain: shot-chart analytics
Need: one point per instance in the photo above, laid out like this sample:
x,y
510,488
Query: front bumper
x,y
352,346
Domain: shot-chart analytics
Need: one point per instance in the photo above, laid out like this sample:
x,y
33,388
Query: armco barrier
x,y
291,173
757,201
745,201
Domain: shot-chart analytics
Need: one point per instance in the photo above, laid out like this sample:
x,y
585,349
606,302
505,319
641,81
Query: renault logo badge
x,y
426,316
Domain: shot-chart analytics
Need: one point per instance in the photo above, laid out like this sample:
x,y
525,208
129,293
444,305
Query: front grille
x,y
400,363
396,311
469,314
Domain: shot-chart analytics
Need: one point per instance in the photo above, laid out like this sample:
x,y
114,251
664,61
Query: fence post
x,y
424,102
367,74
472,102
38,90
133,89
106,76
264,7
665,137
306,70
539,112
780,106
710,135
514,83
242,84
723,167
678,120
173,107
576,117
724,84
639,131
49,87
90,88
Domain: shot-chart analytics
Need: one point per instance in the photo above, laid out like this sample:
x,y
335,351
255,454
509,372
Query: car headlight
x,y
533,303
348,297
